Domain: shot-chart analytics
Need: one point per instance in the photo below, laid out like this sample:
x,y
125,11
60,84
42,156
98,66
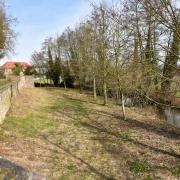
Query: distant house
x,y
9,66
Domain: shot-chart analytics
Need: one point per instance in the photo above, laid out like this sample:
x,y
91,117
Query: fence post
x,y
11,91
18,87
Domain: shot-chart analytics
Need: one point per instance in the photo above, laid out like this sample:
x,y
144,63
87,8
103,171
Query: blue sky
x,y
38,19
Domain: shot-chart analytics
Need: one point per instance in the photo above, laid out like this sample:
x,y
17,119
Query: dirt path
x,y
67,135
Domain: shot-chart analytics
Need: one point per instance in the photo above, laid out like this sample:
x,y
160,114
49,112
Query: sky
x,y
39,19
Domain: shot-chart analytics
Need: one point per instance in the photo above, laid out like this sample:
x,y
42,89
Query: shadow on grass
x,y
100,128
104,136
68,152
157,128
9,170
105,131
102,131
84,101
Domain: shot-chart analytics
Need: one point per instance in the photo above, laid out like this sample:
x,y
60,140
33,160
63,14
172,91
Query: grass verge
x,y
67,135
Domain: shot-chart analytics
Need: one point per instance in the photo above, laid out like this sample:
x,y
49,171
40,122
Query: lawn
x,y
3,83
44,81
66,135
178,94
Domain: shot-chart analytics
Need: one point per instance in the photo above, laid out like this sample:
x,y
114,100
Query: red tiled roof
x,y
12,65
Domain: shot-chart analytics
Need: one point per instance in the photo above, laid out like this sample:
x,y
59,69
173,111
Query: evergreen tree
x,y
54,71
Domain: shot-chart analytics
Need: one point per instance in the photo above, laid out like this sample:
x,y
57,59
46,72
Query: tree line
x,y
128,48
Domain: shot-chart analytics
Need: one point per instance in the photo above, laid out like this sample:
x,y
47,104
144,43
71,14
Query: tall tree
x,y
7,34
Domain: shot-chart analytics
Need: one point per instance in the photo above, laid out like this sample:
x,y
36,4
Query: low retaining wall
x,y
27,81
6,96
9,92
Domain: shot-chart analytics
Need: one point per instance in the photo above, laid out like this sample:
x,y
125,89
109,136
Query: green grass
x,y
56,106
83,138
71,167
176,171
45,81
148,178
30,125
68,103
139,166
34,122
4,83
178,94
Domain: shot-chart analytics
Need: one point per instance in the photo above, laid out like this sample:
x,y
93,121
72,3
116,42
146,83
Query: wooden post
x,y
11,87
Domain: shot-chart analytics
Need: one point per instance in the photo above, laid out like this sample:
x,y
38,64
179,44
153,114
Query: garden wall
x,y
9,92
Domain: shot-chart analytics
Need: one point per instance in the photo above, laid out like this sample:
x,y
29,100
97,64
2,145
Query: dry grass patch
x,y
67,135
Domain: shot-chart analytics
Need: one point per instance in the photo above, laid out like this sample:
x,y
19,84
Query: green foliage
x,y
71,167
139,166
17,70
148,178
2,76
125,135
178,94
69,81
4,83
54,68
50,63
56,71
176,171
30,71
67,77
171,61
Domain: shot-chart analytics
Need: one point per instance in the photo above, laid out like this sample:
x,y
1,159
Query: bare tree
x,y
7,35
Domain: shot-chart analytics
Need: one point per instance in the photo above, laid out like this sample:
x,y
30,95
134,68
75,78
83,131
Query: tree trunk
x,y
40,81
80,88
117,96
63,76
105,92
64,84
123,106
94,87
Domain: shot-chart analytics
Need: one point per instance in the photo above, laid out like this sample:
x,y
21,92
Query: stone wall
x,y
27,81
8,93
